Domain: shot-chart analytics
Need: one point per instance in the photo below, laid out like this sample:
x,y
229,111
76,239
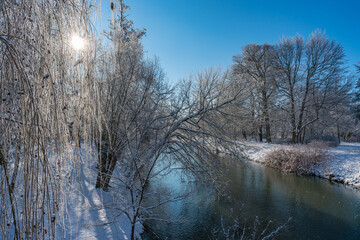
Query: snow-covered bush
x,y
326,141
323,144
285,141
300,160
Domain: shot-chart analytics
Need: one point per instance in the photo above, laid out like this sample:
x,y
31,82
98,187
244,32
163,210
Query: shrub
x,y
319,144
301,160
285,141
328,140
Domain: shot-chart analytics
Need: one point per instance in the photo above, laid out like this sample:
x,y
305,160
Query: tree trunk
x,y
267,129
103,160
101,174
109,171
266,117
302,108
132,236
292,114
106,165
244,135
293,123
303,136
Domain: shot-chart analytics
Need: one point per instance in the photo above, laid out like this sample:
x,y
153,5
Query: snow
x,y
89,212
343,167
345,164
256,151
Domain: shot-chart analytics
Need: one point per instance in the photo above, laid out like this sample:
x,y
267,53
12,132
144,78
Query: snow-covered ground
x,y
344,165
90,212
256,151
88,215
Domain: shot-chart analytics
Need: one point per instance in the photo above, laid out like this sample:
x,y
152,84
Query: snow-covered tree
x,y
140,120
42,79
309,78
255,65
357,95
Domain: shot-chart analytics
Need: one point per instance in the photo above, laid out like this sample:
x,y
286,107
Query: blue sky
x,y
190,35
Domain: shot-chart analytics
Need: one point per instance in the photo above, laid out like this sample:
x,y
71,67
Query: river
x,y
311,208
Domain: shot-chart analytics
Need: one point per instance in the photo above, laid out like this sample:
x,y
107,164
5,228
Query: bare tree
x,y
357,95
182,125
288,63
255,64
307,71
124,89
36,78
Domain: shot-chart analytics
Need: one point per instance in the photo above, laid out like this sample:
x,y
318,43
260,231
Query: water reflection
x,y
319,209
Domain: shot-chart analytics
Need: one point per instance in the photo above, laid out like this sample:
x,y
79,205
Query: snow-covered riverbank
x,y
343,167
88,214
91,213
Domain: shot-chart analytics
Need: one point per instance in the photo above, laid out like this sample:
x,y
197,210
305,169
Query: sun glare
x,y
77,42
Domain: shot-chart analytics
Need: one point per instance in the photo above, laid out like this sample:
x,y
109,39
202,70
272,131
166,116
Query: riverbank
x,y
343,166
253,194
90,212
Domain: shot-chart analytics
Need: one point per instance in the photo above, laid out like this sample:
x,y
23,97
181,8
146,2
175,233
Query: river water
x,y
311,208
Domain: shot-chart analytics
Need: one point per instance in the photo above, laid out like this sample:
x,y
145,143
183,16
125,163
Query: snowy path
x,y
87,218
343,167
88,215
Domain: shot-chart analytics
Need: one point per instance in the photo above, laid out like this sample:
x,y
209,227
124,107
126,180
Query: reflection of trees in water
x,y
271,195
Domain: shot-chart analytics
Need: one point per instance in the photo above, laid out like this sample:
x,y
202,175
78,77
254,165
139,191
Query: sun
x,y
77,42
